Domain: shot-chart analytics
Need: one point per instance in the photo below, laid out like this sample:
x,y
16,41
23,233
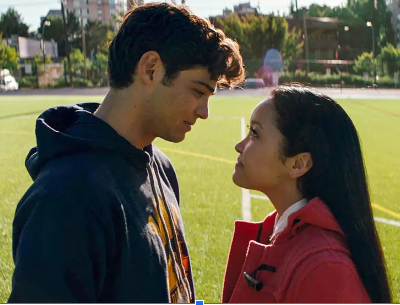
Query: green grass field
x,y
210,201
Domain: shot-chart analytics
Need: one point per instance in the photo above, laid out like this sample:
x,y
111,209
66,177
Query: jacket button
x,y
253,282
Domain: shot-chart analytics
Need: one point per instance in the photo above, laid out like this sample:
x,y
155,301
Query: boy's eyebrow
x,y
209,88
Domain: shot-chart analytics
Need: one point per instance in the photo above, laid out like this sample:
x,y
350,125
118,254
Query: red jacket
x,y
308,262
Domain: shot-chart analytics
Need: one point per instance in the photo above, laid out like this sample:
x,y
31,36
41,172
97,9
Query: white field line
x,y
377,219
259,197
387,221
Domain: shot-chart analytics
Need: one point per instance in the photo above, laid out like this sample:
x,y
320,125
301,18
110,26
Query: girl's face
x,y
259,166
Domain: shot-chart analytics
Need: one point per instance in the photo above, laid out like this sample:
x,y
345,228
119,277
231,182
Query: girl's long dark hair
x,y
313,122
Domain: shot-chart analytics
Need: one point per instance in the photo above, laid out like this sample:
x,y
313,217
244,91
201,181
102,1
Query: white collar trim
x,y
281,223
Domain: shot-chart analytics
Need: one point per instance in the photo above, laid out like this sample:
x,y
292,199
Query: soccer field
x,y
204,163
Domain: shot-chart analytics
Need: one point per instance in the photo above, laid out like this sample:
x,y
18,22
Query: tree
x,y
389,60
257,34
38,58
100,63
96,36
56,31
266,32
73,24
364,64
291,48
376,12
117,19
77,62
103,48
8,57
235,28
355,15
316,10
11,24
340,12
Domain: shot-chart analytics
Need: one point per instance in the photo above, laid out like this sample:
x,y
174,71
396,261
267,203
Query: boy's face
x,y
176,107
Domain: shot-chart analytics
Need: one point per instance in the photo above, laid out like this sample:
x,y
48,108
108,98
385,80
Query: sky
x,y
32,10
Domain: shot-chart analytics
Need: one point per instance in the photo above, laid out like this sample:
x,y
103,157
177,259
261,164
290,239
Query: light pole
x,y
369,24
347,29
46,23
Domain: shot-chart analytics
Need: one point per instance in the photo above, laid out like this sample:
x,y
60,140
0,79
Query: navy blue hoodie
x,y
101,222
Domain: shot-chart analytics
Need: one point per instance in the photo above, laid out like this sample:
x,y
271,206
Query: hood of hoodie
x,y
69,130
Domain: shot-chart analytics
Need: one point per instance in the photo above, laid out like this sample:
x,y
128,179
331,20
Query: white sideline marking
x,y
378,219
387,221
259,197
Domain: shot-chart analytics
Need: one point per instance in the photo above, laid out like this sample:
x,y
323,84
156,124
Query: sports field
x,y
204,162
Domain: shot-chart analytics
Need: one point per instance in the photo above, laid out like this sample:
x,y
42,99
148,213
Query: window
x,y
99,2
100,12
77,12
77,3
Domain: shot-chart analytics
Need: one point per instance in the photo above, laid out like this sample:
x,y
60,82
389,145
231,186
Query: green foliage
x,y
56,31
28,81
235,27
96,36
340,12
11,24
82,82
8,57
355,15
389,60
38,58
77,82
100,63
324,80
60,83
77,62
257,34
364,64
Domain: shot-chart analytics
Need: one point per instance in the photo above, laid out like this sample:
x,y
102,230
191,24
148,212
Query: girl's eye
x,y
252,132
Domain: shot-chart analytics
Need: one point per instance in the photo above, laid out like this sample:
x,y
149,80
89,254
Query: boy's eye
x,y
199,92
